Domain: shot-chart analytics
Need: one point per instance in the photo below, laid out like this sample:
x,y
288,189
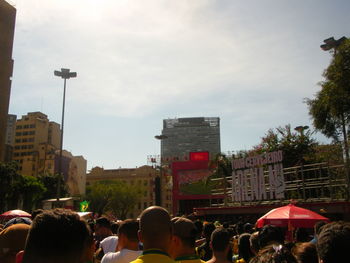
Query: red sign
x,y
199,156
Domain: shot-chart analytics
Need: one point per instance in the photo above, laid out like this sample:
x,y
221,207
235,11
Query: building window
x,y
31,139
24,140
18,127
145,205
31,132
32,126
18,133
18,140
25,133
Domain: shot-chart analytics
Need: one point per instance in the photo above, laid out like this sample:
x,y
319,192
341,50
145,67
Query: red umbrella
x,y
290,216
14,213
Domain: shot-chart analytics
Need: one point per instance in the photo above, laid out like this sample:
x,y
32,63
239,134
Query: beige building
x,y
36,149
143,176
75,176
35,138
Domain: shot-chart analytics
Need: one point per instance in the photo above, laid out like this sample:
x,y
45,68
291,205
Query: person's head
x,y
275,253
199,227
239,228
114,228
36,212
305,252
248,228
58,236
318,226
155,228
12,240
270,235
220,241
184,237
128,233
102,228
301,235
333,244
254,242
208,229
244,249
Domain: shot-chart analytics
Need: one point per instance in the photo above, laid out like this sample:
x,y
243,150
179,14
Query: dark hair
x,y
239,228
57,235
305,253
333,244
301,235
244,247
274,254
129,228
199,227
318,226
254,242
104,222
208,230
36,212
114,227
270,234
248,228
220,239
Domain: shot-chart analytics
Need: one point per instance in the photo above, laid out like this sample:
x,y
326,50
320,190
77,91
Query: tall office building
x,y
36,140
7,29
184,135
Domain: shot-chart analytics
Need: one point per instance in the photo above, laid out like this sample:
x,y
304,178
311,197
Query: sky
x,y
251,63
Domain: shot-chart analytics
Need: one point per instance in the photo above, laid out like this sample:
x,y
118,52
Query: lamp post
x,y
158,182
331,43
65,74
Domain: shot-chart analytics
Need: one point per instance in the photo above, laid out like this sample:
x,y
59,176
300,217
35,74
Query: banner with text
x,y
258,177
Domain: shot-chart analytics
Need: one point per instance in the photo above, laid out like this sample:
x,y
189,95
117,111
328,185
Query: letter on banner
x,y
280,185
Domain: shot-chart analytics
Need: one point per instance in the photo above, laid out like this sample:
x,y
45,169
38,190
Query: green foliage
x,y
114,196
15,188
32,191
50,183
297,147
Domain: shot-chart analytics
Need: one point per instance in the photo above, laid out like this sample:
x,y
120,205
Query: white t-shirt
x,y
109,244
122,256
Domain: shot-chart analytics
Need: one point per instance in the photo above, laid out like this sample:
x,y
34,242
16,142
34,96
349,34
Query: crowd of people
x,y
61,236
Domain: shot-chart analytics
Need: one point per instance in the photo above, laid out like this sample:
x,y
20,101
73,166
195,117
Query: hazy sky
x,y
251,63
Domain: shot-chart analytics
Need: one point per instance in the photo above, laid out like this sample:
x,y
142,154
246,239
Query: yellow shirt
x,y
153,256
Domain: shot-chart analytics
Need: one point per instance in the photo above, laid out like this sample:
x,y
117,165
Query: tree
x,y
114,196
298,147
330,109
9,182
49,181
32,190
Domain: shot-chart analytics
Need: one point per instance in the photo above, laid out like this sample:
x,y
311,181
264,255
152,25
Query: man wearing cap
x,y
184,240
156,235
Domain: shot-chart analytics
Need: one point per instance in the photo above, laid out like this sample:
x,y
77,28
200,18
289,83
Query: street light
x,y
331,43
65,74
301,129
